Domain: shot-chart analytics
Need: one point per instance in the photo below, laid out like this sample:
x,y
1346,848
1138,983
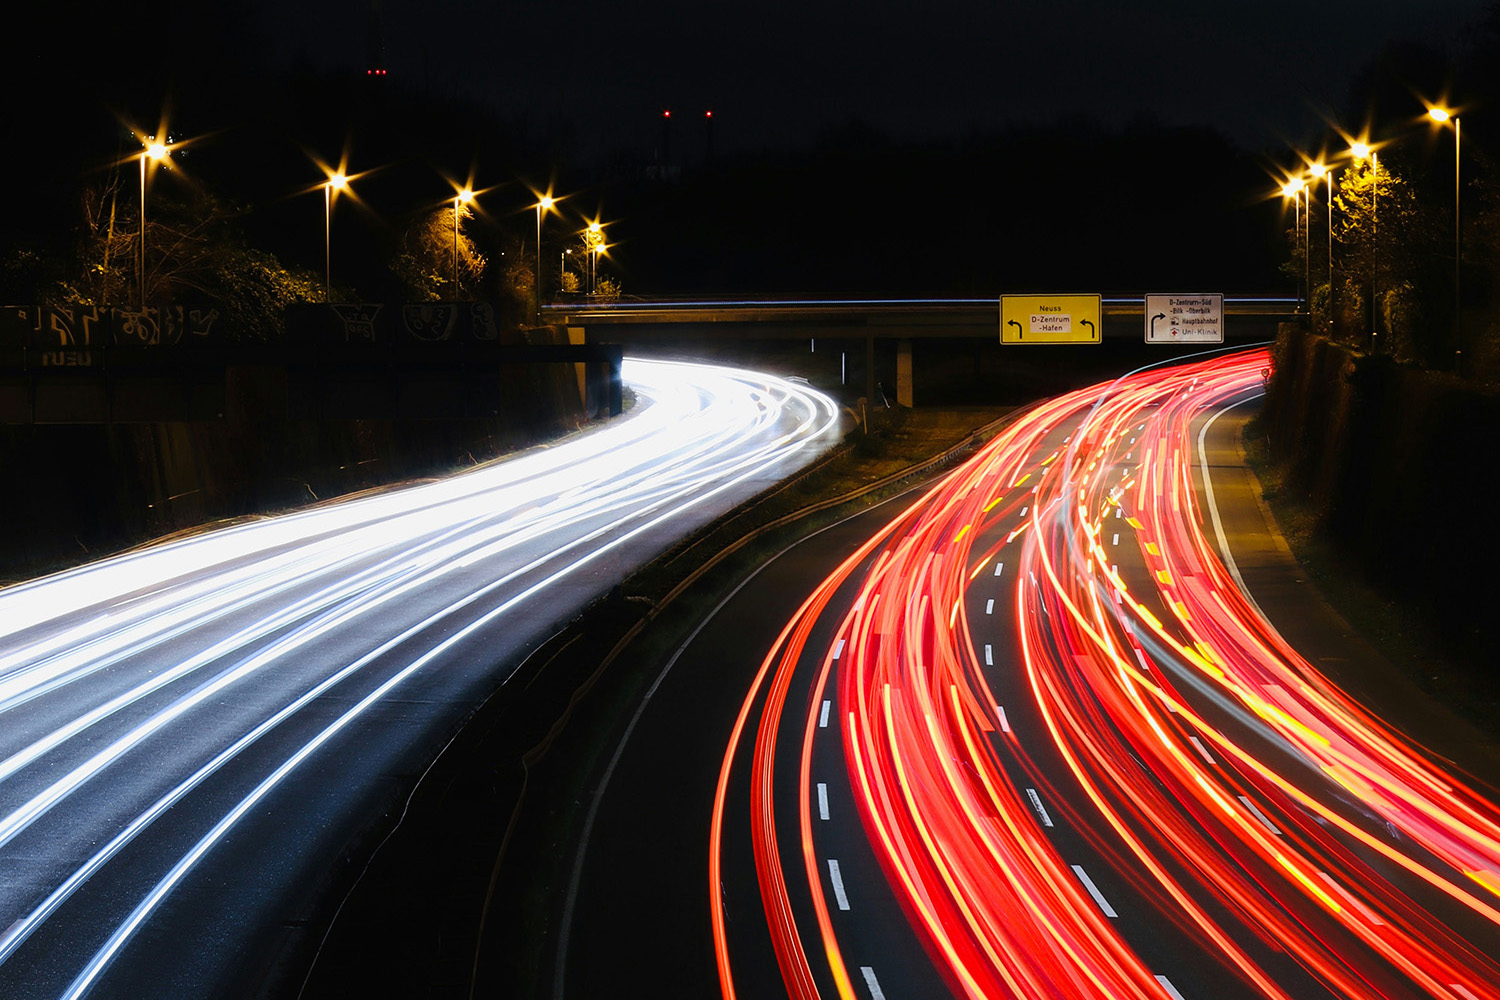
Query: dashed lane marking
x,y
1166,984
1202,751
1088,883
1036,802
1260,816
838,884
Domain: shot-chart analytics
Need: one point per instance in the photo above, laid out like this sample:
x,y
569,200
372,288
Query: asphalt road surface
x,y
192,735
1034,738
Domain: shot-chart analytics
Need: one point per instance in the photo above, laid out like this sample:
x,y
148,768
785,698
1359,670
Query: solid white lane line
x,y
838,649
1004,722
1036,803
998,568
989,606
989,656
838,884
822,800
823,716
1260,816
1093,889
874,984
1166,984
1202,751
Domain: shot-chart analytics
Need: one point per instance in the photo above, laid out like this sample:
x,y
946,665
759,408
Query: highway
x,y
1035,726
195,734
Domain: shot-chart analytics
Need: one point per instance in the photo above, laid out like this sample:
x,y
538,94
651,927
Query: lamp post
x,y
1443,116
595,238
156,152
336,183
1360,151
1293,189
543,204
1322,171
459,200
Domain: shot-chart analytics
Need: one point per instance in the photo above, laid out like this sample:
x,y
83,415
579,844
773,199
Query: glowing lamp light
x,y
1318,170
1290,189
1439,115
594,227
546,202
338,181
466,196
157,150
1360,150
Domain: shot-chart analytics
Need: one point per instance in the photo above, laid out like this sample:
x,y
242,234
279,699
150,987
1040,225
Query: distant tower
x,y
666,138
375,41
708,137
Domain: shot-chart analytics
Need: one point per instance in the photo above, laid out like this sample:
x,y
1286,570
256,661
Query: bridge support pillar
x,y
903,373
577,336
616,389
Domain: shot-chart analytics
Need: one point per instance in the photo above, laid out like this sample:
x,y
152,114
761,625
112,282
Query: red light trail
x,y
1227,785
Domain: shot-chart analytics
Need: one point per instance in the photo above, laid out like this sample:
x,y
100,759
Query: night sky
x,y
776,72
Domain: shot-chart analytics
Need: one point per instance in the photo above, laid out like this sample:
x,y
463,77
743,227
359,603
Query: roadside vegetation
x,y
1405,635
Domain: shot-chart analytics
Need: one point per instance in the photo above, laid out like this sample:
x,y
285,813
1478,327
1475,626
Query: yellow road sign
x,y
1049,319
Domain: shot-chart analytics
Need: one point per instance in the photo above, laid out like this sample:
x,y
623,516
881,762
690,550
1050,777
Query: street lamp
x,y
336,184
544,203
1361,151
459,200
1443,116
594,237
156,152
1294,189
1320,170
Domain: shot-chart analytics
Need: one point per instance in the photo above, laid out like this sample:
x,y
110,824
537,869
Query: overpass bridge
x,y
1248,319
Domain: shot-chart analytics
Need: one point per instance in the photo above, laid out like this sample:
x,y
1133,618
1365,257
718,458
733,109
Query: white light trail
x,y
96,654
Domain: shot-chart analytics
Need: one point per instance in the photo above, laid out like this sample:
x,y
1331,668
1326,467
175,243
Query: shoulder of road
x,y
1399,680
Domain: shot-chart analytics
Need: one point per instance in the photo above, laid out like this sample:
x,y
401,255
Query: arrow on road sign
x,y
1093,331
1020,334
1153,322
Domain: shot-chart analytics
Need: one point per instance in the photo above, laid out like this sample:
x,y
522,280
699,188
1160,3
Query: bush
x,y
1401,322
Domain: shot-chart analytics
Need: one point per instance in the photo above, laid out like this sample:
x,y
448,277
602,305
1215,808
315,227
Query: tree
x,y
195,253
427,254
1391,268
